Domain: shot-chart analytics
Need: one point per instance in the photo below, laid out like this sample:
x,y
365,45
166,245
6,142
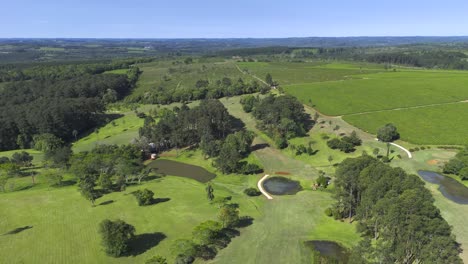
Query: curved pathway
x,y
400,147
260,187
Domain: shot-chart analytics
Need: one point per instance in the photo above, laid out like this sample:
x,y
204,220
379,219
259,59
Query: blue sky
x,y
233,18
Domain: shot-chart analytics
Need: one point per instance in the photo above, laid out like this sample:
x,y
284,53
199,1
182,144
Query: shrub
x,y
249,168
333,143
423,148
181,259
144,197
399,156
328,212
411,150
281,142
300,149
454,166
252,192
416,149
156,260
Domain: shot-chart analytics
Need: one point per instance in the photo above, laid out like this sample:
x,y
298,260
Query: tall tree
x,y
209,192
388,134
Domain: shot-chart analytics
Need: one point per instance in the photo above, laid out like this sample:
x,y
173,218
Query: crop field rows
x,y
427,105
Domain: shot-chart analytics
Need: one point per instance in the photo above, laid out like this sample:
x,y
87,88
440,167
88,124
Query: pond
x,y
328,251
175,168
281,186
449,187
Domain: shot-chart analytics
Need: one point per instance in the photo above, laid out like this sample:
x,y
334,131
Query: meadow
x,y
180,76
287,73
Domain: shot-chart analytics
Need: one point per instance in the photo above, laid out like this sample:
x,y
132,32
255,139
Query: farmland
x,y
53,215
443,124
368,97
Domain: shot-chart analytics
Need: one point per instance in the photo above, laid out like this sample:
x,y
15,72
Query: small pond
x,y
449,187
328,251
281,186
175,168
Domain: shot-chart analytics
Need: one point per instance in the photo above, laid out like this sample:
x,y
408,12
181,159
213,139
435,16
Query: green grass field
x,y
444,124
119,131
383,91
182,76
61,218
287,73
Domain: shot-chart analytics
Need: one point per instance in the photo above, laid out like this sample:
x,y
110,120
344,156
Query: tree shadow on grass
x,y
259,146
18,230
144,242
244,221
67,183
160,200
107,202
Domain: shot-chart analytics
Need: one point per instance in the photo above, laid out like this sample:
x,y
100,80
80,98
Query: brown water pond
x,y
175,168
327,251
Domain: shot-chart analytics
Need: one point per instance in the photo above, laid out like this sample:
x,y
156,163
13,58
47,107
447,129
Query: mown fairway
x,y
64,225
61,219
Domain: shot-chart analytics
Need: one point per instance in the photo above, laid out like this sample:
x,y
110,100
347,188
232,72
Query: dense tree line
x,y
64,108
396,215
60,71
208,126
281,117
417,57
202,89
458,165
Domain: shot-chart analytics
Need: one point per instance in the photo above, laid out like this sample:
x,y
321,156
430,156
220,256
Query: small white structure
x,y
154,156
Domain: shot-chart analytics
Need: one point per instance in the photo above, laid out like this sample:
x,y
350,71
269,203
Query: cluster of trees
x,y
202,89
208,126
11,167
109,167
458,165
61,71
210,236
427,57
396,215
64,108
346,144
281,117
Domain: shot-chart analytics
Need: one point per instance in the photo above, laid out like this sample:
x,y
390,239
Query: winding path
x,y
402,148
260,187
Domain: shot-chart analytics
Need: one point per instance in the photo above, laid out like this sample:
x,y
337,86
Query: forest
x,y
64,108
396,215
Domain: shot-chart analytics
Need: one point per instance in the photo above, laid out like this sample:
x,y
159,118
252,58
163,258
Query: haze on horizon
x,y
240,19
